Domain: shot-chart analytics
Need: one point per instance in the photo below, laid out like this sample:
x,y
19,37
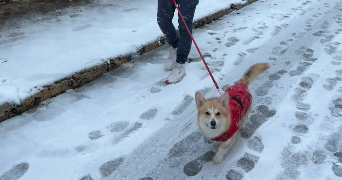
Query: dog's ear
x,y
225,99
199,99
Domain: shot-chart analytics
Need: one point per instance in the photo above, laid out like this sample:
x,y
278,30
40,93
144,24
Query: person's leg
x,y
165,13
187,8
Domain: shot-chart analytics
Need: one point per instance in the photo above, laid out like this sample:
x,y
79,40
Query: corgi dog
x,y
219,118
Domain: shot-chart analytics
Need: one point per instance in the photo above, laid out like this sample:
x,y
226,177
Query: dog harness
x,y
240,100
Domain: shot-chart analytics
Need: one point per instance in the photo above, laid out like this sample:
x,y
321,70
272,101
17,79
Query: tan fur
x,y
219,104
253,72
213,102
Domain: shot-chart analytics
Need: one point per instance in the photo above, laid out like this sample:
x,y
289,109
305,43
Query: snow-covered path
x,y
129,125
44,49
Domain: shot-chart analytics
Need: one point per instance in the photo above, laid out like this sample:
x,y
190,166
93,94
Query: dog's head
x,y
213,113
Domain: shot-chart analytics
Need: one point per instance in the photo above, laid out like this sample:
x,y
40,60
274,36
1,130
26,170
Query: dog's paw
x,y
217,159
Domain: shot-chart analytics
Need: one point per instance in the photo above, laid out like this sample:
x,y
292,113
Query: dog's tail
x,y
253,72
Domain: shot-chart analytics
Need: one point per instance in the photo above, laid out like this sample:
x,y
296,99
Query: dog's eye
x,y
207,113
218,113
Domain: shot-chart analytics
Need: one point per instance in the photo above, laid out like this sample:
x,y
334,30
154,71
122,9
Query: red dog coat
x,y
240,100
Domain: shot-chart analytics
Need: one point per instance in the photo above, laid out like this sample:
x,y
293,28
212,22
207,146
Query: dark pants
x,y
166,10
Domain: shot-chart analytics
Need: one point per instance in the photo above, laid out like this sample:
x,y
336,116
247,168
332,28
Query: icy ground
x,y
129,125
41,50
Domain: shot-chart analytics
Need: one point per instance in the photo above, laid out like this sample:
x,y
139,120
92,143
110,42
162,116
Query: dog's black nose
x,y
213,123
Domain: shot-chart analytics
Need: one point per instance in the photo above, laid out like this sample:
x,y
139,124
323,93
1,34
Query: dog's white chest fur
x,y
211,133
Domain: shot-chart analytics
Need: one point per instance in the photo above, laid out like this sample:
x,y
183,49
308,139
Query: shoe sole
x,y
168,82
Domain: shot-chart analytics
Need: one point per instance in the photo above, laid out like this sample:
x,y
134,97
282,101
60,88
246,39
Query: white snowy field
x,y
129,125
37,53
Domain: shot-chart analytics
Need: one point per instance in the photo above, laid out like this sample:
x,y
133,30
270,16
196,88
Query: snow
x,y
53,49
97,131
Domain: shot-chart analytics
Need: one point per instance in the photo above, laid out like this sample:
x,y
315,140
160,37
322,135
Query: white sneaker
x,y
177,74
171,60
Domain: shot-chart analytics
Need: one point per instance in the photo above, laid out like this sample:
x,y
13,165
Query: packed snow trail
x,y
129,125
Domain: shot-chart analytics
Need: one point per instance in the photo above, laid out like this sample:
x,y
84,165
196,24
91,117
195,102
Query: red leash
x,y
199,52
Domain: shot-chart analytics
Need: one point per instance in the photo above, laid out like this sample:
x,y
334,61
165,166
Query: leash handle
x,y
199,52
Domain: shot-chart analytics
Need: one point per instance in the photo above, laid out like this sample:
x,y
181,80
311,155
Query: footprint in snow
x,y
331,83
301,129
272,59
247,162
284,25
338,31
184,104
298,35
232,41
337,169
295,140
336,109
339,72
327,39
3,60
277,75
149,114
234,175
251,39
111,128
275,50
252,50
146,178
258,32
15,172
255,144
325,25
129,10
303,106
300,70
304,117
128,132
333,142
194,167
87,177
318,157
241,57
256,120
239,29
335,63
81,28
276,30
109,167
158,87
331,48
308,27
299,94
339,156
291,161
303,12
264,88
308,81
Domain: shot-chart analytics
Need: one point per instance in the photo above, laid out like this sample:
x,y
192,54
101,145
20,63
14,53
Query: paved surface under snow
x,y
129,125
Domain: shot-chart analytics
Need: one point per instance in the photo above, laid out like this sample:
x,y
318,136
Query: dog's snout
x,y
213,123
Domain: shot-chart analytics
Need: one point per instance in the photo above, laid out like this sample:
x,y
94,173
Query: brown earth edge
x,y
9,110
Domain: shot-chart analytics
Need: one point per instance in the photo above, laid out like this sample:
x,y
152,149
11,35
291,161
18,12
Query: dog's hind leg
x,y
243,120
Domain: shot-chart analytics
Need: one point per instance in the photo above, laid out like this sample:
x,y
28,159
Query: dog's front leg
x,y
222,149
